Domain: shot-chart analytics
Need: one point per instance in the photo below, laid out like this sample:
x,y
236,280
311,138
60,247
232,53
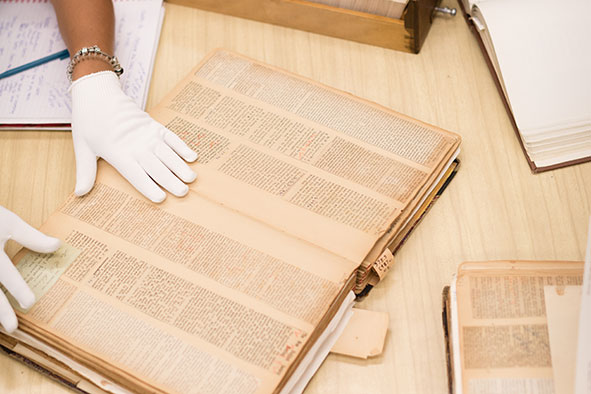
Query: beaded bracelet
x,y
95,53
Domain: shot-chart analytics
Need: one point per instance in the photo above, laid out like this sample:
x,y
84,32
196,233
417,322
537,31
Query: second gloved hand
x,y
13,227
107,123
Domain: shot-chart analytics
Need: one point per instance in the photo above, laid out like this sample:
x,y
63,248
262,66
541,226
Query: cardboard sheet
x,y
364,336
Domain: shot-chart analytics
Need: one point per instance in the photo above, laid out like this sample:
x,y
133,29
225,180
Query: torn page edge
x,y
312,361
95,378
364,336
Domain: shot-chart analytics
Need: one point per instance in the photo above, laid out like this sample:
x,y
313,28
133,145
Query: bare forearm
x,y
84,23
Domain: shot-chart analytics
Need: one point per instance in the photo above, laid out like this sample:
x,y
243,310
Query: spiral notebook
x,y
38,98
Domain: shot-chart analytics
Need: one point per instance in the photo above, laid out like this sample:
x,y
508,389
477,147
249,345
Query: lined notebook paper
x,y
39,98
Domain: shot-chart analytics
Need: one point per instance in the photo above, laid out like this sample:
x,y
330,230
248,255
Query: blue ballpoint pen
x,y
59,55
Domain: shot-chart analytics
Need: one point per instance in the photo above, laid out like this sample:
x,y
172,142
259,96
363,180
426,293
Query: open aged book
x,y
538,53
511,327
243,285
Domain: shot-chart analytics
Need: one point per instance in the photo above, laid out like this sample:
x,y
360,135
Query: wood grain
x,y
318,18
494,209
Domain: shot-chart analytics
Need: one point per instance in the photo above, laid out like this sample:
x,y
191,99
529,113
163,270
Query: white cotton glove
x,y
13,227
107,123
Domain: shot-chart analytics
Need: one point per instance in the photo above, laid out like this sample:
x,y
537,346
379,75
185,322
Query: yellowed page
x,y
562,308
504,343
404,224
185,297
312,161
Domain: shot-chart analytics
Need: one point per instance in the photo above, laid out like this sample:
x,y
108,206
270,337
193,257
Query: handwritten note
x,y
29,31
41,271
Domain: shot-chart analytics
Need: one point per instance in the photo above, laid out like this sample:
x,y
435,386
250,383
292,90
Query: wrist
x,y
93,53
90,66
103,86
99,95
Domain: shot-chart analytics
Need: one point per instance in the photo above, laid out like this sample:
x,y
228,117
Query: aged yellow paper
x,y
41,271
502,324
562,311
364,335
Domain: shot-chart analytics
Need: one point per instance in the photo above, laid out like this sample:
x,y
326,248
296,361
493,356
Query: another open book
x,y
515,327
539,54
303,192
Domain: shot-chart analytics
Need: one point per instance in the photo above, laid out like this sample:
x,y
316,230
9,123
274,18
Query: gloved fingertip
x,y
182,191
85,170
10,323
191,156
27,299
82,189
53,244
190,177
157,197
47,244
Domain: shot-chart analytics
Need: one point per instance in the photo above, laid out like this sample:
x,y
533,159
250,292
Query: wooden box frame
x,y
406,34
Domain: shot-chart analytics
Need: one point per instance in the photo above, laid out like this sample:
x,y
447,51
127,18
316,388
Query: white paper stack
x,y
543,54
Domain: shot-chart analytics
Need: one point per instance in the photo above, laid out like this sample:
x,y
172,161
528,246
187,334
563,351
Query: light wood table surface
x,y
495,208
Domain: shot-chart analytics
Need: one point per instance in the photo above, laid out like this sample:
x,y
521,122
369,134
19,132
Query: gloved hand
x,y
13,227
107,123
